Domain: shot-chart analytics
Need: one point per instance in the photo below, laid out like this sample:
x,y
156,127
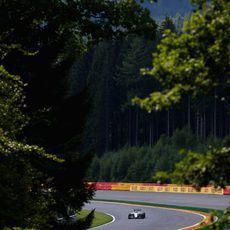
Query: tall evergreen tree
x,y
129,78
100,83
167,24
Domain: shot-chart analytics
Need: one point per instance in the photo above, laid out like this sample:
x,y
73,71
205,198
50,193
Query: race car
x,y
136,214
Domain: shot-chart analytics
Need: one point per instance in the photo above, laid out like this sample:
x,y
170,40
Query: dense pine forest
x,y
141,163
112,75
116,129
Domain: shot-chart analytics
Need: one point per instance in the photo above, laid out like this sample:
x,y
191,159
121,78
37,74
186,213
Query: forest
x,y
89,84
111,74
143,163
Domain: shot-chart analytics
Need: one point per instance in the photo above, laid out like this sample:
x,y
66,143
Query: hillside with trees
x,y
111,73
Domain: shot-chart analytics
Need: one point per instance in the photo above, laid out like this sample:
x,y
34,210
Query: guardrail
x,y
227,190
153,187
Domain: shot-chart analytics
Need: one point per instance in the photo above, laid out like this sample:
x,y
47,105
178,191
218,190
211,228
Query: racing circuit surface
x,y
156,218
179,199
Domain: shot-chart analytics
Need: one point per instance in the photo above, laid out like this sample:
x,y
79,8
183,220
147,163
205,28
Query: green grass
x,y
99,217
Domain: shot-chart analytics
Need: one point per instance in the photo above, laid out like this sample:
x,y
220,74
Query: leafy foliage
x,y
12,119
38,41
202,169
21,181
161,177
80,22
195,62
223,222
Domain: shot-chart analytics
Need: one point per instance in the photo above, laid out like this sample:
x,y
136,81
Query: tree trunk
x,y
136,128
168,122
129,128
214,114
189,112
197,124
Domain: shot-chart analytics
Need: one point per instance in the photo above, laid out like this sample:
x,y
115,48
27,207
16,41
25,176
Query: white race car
x,y
136,214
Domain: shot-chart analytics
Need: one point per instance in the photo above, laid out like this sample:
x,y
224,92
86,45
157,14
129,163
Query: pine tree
x,y
129,78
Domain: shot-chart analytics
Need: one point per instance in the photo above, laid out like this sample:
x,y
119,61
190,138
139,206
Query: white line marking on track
x,y
195,225
106,223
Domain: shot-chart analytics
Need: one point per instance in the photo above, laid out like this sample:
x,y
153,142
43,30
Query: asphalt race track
x,y
180,199
156,218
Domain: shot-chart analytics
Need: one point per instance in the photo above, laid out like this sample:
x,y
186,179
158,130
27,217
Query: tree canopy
x,y
194,62
22,180
39,41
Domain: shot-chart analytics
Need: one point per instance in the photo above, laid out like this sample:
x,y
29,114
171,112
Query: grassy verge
x,y
99,217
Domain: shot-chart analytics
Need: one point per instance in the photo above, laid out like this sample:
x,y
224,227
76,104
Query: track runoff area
x,y
167,207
